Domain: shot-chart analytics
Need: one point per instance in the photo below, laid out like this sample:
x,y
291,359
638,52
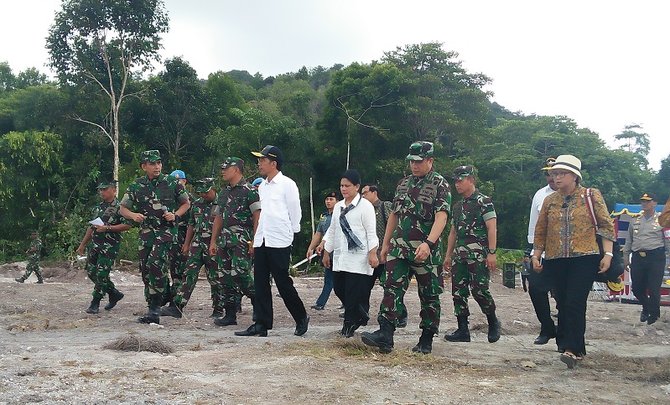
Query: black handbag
x,y
616,268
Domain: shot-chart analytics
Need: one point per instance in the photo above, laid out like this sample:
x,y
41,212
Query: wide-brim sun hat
x,y
569,163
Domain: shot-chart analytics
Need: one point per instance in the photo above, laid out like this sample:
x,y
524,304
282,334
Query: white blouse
x,y
362,221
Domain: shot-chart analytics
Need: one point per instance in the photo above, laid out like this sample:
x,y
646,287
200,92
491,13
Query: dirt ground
x,y
53,352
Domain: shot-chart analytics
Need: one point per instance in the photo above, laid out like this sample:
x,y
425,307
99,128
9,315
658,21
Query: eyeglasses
x,y
558,173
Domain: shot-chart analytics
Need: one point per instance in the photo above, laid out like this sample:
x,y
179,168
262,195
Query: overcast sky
x,y
604,64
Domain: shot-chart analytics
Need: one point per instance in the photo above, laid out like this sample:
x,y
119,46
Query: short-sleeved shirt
x,y
416,201
153,198
108,212
201,219
236,206
469,220
324,222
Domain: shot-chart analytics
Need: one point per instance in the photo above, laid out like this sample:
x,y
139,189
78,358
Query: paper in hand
x,y
96,221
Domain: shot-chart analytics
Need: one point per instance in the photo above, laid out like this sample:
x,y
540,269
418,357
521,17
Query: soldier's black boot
x,y
153,315
21,280
462,334
382,338
94,308
40,280
425,344
114,297
172,310
494,327
230,318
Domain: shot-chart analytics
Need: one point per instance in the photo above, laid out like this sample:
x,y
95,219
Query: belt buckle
x,y
643,254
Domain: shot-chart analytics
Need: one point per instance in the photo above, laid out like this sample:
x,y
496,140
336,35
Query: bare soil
x,y
51,351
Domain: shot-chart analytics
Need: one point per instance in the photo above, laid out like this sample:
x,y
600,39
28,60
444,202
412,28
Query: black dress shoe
x,y
651,319
301,326
254,330
644,316
541,340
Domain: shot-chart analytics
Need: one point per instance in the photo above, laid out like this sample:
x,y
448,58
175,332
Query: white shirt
x,y
535,209
363,223
280,212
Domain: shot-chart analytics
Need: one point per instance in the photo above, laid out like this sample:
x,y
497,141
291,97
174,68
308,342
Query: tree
x,y
636,142
101,43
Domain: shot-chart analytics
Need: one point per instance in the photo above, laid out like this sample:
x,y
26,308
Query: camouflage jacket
x,y
152,198
416,201
236,205
202,218
184,221
35,250
109,213
469,220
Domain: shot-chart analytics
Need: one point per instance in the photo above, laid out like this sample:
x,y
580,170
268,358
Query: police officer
x,y
155,201
471,255
196,249
648,245
34,252
102,252
411,247
239,209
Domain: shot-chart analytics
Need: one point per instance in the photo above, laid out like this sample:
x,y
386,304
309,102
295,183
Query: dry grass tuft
x,y
133,343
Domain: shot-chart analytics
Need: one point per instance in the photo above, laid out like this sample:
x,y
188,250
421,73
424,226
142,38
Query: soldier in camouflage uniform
x,y
196,249
471,255
413,233
154,201
177,257
34,252
102,252
236,223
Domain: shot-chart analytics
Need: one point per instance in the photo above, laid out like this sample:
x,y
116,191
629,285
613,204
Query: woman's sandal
x,y
570,359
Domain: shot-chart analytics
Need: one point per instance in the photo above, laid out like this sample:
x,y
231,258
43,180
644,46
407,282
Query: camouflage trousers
x,y
399,272
235,275
32,266
98,266
178,263
154,255
472,275
199,256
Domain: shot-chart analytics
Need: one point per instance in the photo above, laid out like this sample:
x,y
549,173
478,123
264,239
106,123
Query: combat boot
x,y
114,297
94,308
382,338
425,344
40,280
153,314
172,310
230,318
19,280
494,327
402,321
462,334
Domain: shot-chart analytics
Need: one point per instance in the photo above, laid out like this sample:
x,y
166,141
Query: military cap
x,y
204,185
420,150
271,152
548,163
150,156
233,161
462,172
648,197
106,184
331,194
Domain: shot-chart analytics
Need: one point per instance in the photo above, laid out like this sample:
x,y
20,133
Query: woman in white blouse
x,y
351,245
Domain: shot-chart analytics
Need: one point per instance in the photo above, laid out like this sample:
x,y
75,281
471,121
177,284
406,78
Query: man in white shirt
x,y
278,222
539,284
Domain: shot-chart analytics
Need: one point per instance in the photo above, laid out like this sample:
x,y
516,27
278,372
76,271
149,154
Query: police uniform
x,y
417,201
153,198
647,244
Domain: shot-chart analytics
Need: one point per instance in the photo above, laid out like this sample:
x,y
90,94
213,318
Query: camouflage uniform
x,y
178,261
235,277
33,265
104,248
153,198
469,265
416,201
201,219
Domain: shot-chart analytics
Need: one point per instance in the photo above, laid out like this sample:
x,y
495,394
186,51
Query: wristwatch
x,y
492,251
430,244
